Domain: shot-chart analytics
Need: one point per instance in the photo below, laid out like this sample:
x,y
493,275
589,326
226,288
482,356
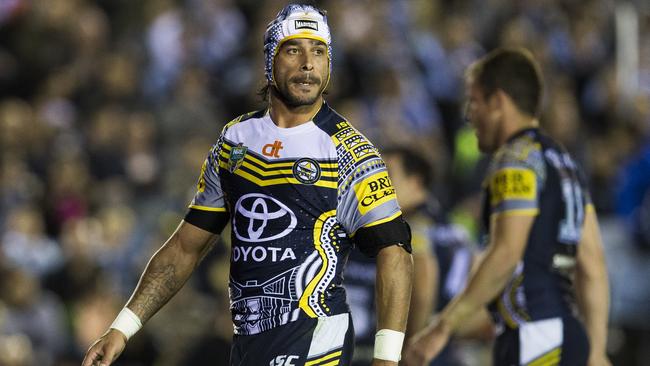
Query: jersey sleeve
x,y
421,235
208,208
367,203
514,185
582,179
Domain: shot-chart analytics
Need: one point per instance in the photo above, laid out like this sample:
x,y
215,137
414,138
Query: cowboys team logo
x,y
236,157
306,170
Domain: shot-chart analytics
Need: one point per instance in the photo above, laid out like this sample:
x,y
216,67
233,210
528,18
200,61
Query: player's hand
x,y
377,362
106,349
425,345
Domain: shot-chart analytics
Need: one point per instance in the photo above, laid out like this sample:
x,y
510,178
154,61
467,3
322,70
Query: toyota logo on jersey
x,y
259,217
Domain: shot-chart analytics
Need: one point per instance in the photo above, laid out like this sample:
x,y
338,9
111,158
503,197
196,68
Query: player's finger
x,y
91,355
110,353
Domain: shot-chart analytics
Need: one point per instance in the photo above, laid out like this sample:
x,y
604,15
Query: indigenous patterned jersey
x,y
533,175
298,199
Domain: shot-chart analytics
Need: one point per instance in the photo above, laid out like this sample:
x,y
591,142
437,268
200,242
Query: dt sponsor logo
x,y
272,150
284,360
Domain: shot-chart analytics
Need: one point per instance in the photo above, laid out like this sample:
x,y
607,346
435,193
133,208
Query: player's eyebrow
x,y
295,42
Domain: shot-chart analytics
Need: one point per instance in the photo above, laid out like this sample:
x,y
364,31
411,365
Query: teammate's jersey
x,y
298,199
533,175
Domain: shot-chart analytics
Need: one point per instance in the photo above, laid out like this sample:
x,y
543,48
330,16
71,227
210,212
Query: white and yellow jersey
x,y
298,199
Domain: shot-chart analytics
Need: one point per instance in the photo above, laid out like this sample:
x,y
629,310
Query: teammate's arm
x,y
592,289
508,237
425,290
166,272
393,291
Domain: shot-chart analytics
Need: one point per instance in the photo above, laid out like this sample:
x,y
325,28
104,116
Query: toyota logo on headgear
x,y
259,217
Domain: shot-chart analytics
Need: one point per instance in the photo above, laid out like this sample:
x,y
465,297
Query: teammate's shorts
x,y
548,342
309,342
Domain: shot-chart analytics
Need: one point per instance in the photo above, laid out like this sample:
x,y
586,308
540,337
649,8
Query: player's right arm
x,y
593,289
167,271
171,266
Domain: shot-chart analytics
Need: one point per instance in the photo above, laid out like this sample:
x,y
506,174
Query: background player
x,y
442,257
541,229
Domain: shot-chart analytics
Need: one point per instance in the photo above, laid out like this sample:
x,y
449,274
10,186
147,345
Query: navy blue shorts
x,y
310,342
548,342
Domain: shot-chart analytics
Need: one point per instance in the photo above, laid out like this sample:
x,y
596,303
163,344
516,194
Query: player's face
x,y
479,112
300,71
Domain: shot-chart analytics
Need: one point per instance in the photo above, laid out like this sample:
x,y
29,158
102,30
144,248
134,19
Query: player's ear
x,y
497,99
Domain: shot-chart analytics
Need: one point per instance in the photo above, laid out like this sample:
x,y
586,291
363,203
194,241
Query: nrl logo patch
x,y
236,157
306,24
306,171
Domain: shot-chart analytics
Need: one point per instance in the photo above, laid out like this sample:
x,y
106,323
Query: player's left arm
x,y
393,291
592,288
367,208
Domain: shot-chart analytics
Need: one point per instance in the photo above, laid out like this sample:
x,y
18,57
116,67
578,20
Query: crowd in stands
x,y
109,107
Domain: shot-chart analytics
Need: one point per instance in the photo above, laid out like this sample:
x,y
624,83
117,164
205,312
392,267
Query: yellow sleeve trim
x,y
521,212
333,363
551,357
206,208
387,219
324,358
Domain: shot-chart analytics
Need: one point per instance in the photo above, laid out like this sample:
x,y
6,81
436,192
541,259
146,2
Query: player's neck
x,y
516,124
285,116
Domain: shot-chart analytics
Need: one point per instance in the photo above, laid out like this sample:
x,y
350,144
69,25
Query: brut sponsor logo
x,y
379,188
261,254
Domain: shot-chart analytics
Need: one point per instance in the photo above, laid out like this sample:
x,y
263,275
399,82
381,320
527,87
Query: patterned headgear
x,y
295,21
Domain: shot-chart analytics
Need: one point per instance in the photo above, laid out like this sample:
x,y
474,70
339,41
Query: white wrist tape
x,y
388,345
127,322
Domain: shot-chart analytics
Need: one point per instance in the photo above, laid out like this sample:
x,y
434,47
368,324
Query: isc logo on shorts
x,y
284,360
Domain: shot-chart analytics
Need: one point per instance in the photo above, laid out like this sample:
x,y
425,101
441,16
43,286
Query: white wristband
x,y
127,322
388,345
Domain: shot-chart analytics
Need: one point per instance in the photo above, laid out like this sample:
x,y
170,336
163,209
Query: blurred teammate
x,y
442,257
300,187
544,252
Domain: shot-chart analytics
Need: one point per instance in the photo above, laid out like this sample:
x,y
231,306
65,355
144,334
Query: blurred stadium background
x,y
108,107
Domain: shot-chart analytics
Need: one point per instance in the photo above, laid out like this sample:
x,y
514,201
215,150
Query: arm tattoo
x,y
158,285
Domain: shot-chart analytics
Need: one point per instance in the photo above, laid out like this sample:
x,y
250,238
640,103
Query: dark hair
x,y
412,163
515,72
263,92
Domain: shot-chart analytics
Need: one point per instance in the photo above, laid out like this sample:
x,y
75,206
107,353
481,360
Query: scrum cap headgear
x,y
295,21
